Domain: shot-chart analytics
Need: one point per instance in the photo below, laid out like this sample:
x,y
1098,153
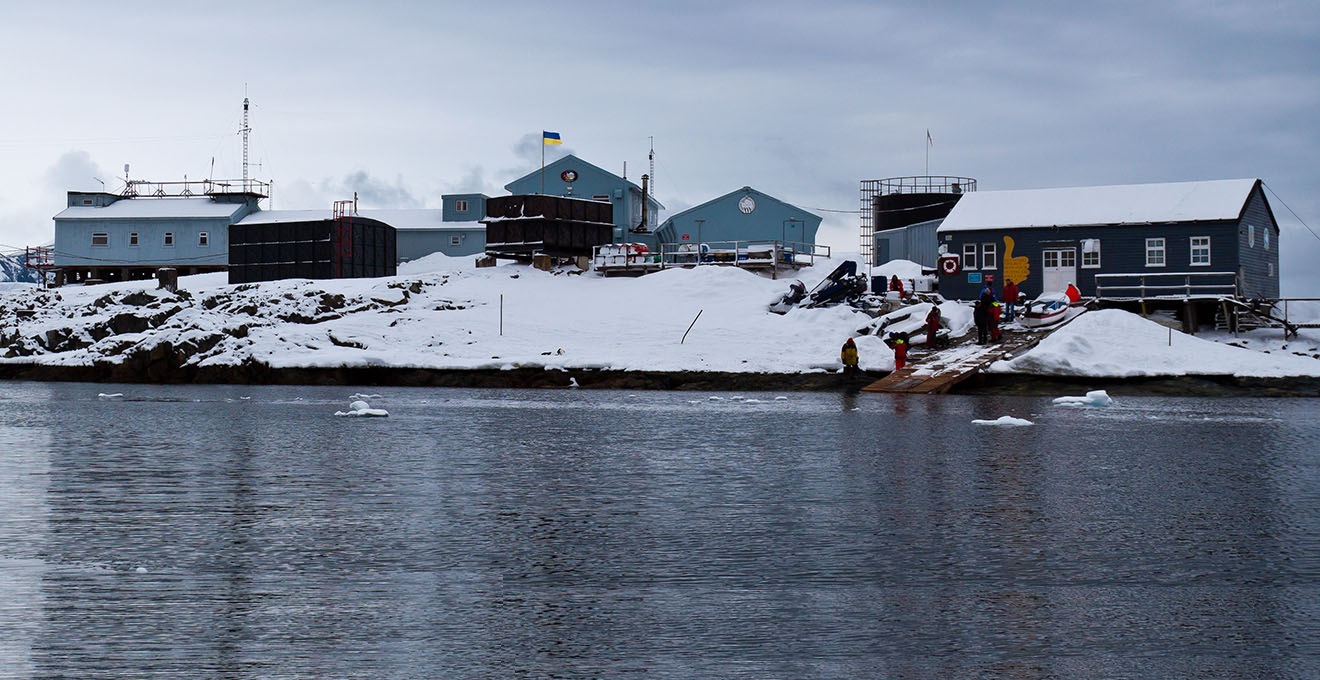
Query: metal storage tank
x,y
350,246
898,202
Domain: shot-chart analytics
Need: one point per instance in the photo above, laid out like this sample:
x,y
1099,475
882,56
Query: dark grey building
x,y
1141,241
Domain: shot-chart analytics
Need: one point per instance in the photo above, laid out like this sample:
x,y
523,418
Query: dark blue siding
x,y
1259,265
1122,251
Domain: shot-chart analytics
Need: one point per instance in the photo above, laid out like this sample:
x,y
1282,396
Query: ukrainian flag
x,y
550,138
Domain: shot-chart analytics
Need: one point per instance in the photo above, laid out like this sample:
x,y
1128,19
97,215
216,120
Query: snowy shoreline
x,y
442,321
1017,384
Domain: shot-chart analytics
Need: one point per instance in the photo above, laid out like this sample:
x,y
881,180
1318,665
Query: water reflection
x,y
185,531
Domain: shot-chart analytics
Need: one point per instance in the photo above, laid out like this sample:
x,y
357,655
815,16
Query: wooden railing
x,y
1180,285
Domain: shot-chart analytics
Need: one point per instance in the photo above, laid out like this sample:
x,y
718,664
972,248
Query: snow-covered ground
x,y
444,313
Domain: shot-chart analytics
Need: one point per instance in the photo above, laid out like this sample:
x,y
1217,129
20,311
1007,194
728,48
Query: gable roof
x,y
553,168
739,193
1103,205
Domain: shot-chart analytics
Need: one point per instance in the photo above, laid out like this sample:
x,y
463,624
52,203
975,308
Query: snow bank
x,y
1117,344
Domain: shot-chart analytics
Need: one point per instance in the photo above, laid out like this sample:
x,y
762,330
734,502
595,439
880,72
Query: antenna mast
x,y
652,159
245,130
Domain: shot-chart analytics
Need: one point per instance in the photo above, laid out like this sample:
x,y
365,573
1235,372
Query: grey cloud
x,y
75,171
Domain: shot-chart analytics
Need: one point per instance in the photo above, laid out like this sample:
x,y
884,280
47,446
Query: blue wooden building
x,y
1145,241
635,219
101,236
742,215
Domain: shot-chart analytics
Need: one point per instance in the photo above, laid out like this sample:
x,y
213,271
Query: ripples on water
x,y
246,532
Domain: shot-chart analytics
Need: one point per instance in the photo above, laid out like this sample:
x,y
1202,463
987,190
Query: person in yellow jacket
x,y
848,355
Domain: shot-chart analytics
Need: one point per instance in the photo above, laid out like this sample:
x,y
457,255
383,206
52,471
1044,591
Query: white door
x,y
1058,269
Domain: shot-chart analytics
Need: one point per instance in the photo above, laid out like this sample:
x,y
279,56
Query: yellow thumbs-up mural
x,y
1017,269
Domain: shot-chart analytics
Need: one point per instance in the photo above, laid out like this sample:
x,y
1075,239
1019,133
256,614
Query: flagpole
x,y
543,162
928,153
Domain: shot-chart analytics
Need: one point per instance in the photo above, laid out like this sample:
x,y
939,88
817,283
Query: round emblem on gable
x,y
746,205
568,175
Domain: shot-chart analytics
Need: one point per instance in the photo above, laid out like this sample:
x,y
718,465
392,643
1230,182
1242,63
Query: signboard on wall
x,y
973,277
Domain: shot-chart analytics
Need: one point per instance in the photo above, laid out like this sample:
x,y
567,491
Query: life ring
x,y
950,266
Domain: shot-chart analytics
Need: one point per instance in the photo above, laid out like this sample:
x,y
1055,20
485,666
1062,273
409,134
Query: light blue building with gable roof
x,y
742,215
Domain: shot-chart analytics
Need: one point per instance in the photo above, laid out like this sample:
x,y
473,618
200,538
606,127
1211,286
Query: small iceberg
x,y
362,409
116,395
1004,421
1092,398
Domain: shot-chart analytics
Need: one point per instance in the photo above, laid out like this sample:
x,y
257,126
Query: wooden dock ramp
x,y
937,372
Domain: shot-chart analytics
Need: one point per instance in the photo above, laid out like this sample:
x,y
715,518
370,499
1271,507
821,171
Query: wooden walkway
x,y
937,372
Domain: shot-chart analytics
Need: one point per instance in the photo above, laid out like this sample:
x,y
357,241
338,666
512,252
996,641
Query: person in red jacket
x,y
932,326
900,350
1010,300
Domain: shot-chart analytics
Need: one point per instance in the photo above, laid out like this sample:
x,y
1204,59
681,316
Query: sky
x,y
402,102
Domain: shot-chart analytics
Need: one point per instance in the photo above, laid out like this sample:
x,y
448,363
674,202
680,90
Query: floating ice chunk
x,y
362,409
1004,421
781,398
141,570
357,397
1092,398
116,395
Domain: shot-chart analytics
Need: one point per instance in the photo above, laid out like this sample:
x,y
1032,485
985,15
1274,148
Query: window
x,y
989,256
203,239
460,205
1154,252
100,238
169,238
1200,251
1068,258
87,201
133,239
455,240
1091,253
1251,236
1265,236
969,256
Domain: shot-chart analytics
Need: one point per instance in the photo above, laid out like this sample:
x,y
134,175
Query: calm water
x,y
246,532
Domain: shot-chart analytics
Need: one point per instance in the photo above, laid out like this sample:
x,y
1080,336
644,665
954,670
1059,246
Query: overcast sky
x,y
405,101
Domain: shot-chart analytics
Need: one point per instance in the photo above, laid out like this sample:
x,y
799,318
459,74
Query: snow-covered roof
x,y
1083,206
137,208
413,218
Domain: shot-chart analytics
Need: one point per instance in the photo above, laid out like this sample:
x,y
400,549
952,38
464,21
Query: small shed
x,y
1142,241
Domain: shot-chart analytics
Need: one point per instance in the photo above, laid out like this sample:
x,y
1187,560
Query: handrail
x,y
1161,286
757,253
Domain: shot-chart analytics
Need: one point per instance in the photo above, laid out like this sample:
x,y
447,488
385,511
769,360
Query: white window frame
x,y
969,257
455,240
203,239
1090,246
100,239
133,239
1068,258
1265,237
1251,236
989,256
1156,255
169,239
1198,245
460,205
